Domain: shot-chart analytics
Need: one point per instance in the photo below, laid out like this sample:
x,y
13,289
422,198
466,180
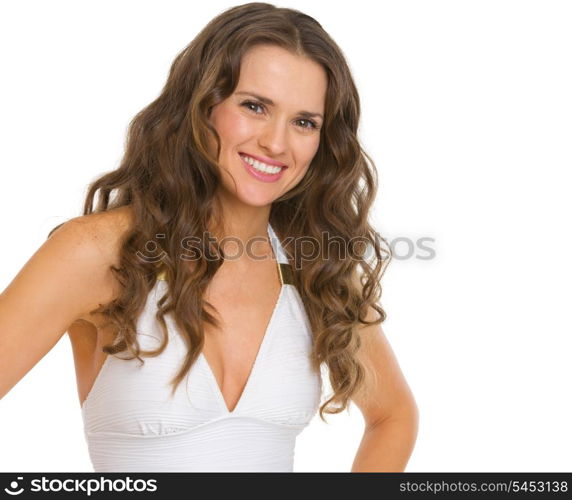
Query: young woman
x,y
198,317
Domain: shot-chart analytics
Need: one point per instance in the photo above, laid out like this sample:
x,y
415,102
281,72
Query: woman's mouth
x,y
260,170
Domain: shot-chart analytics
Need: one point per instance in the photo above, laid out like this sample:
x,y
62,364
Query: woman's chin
x,y
256,199
249,191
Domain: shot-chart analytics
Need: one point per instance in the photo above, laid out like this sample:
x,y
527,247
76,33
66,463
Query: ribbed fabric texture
x,y
132,424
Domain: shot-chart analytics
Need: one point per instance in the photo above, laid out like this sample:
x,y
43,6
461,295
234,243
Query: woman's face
x,y
286,132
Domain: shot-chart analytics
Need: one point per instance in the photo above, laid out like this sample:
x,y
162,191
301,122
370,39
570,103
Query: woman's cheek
x,y
312,150
227,123
238,125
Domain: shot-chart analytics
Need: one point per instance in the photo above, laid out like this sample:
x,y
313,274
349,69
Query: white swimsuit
x,y
132,424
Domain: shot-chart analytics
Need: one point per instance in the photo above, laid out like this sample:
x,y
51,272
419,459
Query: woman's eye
x,y
312,123
249,103
307,124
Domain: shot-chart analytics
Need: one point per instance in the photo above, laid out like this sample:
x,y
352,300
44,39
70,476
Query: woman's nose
x,y
273,137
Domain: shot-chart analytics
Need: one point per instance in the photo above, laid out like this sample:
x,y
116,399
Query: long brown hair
x,y
169,179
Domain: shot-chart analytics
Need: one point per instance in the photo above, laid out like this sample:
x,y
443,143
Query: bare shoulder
x,y
100,234
98,238
102,226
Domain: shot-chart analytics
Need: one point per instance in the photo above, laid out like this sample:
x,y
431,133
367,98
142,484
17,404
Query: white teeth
x,y
263,167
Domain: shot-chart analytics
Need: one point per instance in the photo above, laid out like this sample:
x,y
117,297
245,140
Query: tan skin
x,y
48,297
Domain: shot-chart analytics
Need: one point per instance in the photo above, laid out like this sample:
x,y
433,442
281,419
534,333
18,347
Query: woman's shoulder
x,y
103,230
110,223
103,233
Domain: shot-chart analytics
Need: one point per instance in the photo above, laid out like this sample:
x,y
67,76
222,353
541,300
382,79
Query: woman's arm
x,y
387,404
64,279
387,445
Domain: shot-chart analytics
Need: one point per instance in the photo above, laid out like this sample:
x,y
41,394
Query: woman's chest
x,y
281,388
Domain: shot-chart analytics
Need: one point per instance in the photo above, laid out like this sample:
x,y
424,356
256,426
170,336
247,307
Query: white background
x,y
466,111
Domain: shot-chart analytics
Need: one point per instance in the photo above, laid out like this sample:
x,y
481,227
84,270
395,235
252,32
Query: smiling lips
x,y
265,167
264,160
260,170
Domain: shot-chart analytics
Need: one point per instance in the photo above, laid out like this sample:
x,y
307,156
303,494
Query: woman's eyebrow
x,y
270,102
